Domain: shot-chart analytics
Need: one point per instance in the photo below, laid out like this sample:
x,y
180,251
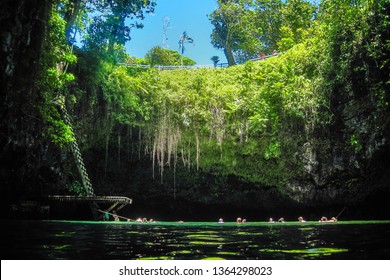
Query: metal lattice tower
x,y
166,26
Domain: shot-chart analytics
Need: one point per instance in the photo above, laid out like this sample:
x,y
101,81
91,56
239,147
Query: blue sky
x,y
184,15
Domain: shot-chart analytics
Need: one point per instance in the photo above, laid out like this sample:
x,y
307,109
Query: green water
x,y
228,224
194,240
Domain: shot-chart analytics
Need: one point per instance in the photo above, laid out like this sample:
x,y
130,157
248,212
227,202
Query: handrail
x,y
183,67
166,67
120,199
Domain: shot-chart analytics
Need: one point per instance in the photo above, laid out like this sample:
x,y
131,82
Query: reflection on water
x,y
97,240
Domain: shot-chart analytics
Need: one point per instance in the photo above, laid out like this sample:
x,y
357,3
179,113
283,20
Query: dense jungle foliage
x,y
264,127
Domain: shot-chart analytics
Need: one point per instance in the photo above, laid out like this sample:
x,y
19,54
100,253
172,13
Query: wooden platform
x,y
117,202
98,199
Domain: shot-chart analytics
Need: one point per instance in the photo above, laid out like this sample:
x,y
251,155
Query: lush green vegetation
x,y
160,56
258,121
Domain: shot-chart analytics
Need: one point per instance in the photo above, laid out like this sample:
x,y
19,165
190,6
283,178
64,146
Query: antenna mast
x,y
166,26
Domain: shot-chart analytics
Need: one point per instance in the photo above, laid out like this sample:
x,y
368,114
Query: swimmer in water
x,y
323,219
116,217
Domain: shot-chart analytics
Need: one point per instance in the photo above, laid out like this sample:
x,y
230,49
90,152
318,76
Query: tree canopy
x,y
246,28
160,56
102,24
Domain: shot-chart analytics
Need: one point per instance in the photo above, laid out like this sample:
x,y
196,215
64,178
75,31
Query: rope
x,y
341,212
105,212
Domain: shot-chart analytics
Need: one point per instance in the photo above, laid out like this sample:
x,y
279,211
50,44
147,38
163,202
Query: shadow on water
x,y
110,240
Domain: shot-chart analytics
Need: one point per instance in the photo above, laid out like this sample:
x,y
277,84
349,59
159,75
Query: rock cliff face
x,y
25,162
349,162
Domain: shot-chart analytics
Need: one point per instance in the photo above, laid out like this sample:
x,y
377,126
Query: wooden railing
x,y
98,199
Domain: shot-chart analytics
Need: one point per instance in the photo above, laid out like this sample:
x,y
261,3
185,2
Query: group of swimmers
x,y
142,220
281,220
302,220
325,220
239,220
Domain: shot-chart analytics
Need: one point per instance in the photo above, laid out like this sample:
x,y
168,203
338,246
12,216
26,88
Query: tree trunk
x,y
70,18
229,56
